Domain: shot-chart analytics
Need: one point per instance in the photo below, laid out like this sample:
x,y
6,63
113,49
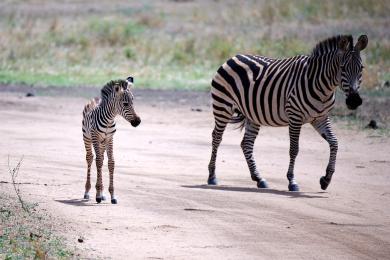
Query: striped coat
x,y
98,127
260,91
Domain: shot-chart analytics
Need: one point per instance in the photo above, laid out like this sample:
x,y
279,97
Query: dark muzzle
x,y
136,122
353,101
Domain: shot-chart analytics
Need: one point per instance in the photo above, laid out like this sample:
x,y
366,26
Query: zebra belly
x,y
263,106
264,118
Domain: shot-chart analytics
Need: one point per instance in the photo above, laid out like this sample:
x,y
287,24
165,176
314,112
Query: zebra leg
x,y
99,151
324,128
89,159
217,138
294,132
247,143
111,166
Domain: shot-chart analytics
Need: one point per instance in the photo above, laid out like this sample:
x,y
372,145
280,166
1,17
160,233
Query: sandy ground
x,y
166,211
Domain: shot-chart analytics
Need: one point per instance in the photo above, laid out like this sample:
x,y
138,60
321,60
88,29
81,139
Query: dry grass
x,y
26,233
174,43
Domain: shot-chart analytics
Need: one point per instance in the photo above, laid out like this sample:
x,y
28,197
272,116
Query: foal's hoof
x,y
212,181
86,196
324,183
262,184
293,187
114,201
98,200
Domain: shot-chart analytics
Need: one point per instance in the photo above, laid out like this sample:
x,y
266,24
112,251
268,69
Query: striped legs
x,y
247,143
294,132
111,166
323,127
217,138
99,152
89,158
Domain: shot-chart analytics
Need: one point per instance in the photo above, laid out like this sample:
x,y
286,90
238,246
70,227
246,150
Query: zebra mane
x,y
330,44
109,88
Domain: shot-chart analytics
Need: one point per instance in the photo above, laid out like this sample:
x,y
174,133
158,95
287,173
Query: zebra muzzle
x,y
353,101
136,122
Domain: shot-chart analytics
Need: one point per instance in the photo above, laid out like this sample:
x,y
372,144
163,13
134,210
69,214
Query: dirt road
x,y
166,211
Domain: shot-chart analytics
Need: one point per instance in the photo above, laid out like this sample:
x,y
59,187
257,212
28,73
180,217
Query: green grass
x,y
175,45
173,78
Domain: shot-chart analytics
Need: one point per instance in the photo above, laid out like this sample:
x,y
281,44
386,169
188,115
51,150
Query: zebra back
x,y
90,106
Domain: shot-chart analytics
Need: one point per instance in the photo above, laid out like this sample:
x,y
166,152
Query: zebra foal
x,y
260,91
99,127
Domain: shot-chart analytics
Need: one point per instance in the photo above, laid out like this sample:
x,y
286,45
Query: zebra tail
x,y
239,119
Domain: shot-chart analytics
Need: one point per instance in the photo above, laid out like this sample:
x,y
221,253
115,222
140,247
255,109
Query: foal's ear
x,y
118,88
130,79
343,43
361,43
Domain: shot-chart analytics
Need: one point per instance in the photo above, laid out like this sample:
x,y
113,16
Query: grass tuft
x,y
24,231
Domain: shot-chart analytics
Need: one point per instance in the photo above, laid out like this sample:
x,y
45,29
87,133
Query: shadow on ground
x,y
81,202
257,190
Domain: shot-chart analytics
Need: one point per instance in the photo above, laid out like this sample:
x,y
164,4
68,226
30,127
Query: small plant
x,y
24,232
14,175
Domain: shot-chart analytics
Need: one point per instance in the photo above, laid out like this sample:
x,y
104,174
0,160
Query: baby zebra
x,y
99,128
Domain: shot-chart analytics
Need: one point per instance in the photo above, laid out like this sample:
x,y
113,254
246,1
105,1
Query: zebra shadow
x,y
81,202
257,190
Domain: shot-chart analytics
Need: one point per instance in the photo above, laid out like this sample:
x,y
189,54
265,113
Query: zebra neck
x,y
323,74
107,114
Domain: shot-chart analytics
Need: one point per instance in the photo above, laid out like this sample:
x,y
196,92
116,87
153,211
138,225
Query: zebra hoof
x,y
262,184
114,201
293,187
324,183
98,200
86,196
212,181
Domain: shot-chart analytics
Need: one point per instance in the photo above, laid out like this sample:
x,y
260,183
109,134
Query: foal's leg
x,y
111,166
247,143
324,128
89,158
99,151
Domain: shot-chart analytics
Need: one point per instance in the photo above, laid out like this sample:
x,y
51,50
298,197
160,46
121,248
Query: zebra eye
x,y
126,104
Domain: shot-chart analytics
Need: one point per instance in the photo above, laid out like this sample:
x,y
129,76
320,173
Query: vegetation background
x,y
175,44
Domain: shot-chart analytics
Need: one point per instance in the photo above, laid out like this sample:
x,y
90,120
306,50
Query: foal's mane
x,y
109,88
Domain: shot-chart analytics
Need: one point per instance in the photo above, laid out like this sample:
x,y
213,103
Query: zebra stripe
x,y
260,91
98,127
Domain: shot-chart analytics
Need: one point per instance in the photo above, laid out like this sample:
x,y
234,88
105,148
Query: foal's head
x,y
118,91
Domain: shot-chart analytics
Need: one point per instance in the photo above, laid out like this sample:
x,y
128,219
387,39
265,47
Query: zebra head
x,y
124,99
351,69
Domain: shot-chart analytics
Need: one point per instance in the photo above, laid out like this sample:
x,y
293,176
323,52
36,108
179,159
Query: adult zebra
x,y
260,91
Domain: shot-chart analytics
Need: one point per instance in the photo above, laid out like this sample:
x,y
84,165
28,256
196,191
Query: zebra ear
x,y
343,43
361,43
117,88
